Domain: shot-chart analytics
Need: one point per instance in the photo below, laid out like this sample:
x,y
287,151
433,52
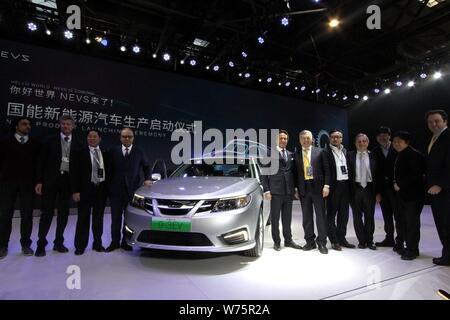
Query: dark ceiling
x,y
347,60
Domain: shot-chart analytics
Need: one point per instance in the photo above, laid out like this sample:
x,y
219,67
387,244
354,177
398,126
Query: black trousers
x,y
9,192
388,208
314,203
363,207
408,222
440,205
92,203
60,192
119,203
281,204
338,212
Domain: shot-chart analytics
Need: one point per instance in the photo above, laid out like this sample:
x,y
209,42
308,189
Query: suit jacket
x,y
438,162
82,169
409,169
321,170
125,174
385,165
282,182
50,159
351,163
332,162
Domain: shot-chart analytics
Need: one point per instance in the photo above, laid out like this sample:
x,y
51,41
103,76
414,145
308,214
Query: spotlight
x,y
334,95
423,75
344,98
244,54
284,21
269,80
240,74
166,57
437,75
376,90
411,84
259,80
399,83
32,26
137,49
207,67
333,23
296,88
154,56
104,42
48,32
216,68
123,48
247,75
181,61
88,41
260,40
68,34
356,96
287,84
365,98
279,83
387,91
231,64
303,88
317,90
193,62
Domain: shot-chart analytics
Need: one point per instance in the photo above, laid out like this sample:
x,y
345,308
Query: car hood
x,y
197,188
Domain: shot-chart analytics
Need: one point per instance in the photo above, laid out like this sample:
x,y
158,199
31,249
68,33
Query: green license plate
x,y
167,224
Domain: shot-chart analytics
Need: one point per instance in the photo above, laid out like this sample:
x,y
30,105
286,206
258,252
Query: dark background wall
x,y
403,109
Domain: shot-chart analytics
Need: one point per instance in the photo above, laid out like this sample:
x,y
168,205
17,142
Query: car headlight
x,y
232,203
138,202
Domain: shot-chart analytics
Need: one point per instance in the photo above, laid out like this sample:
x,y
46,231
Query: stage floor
x,y
289,274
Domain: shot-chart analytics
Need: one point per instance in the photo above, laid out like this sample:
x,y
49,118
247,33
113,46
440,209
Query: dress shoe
x,y
400,249
98,248
292,244
79,252
276,247
371,246
309,246
3,252
385,243
409,255
126,247
336,246
112,247
40,252
361,246
27,251
441,261
60,248
323,249
346,244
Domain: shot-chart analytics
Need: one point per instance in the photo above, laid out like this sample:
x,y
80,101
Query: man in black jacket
x,y
279,189
409,168
364,191
18,158
53,181
89,188
127,163
313,183
438,179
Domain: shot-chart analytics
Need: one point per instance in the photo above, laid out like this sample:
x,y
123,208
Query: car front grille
x,y
182,207
170,238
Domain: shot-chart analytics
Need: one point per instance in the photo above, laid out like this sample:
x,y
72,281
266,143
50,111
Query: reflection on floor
x,y
288,274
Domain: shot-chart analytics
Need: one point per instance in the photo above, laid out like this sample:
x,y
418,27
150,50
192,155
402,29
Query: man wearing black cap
x,y
386,155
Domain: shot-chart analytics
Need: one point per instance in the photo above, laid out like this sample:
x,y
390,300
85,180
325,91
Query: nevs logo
x,y
4,54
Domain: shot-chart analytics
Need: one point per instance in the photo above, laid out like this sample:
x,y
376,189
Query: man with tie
x,y
127,163
385,155
53,182
338,200
313,183
438,179
18,158
363,191
279,189
89,190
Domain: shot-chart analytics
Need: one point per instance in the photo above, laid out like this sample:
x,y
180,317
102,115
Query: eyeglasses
x,y
127,137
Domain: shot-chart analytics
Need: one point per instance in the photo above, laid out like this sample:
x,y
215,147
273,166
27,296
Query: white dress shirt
x,y
101,164
63,136
340,160
18,136
385,150
129,149
366,163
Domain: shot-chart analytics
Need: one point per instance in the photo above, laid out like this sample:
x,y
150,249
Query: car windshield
x,y
202,169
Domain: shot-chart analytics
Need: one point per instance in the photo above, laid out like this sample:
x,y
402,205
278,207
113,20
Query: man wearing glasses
x,y
127,162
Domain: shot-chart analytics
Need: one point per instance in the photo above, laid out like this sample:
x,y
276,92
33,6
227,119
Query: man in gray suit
x,y
279,189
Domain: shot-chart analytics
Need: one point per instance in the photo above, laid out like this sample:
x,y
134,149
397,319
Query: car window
x,y
213,170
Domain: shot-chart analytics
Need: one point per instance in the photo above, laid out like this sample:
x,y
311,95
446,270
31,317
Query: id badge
x,y
343,169
309,171
65,159
100,173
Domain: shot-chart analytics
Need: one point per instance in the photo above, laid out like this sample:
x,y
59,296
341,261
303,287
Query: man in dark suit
x,y
438,179
386,154
127,163
409,169
279,189
313,183
364,191
89,188
18,158
53,181
338,200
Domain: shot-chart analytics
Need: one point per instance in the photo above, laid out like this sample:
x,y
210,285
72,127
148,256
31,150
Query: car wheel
x,y
257,250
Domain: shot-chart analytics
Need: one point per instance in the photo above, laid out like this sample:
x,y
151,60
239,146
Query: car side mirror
x,y
156,176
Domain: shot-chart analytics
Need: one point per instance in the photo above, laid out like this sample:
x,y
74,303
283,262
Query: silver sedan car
x,y
202,207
